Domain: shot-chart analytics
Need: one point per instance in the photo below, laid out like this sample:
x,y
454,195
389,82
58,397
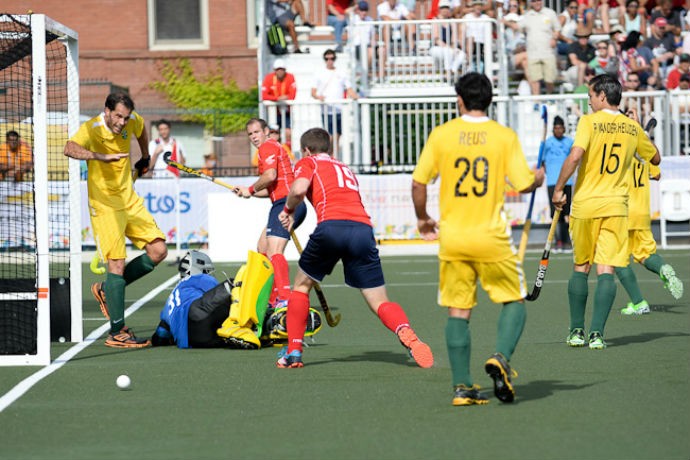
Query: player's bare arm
x,y
260,187
426,225
298,191
538,180
572,161
76,151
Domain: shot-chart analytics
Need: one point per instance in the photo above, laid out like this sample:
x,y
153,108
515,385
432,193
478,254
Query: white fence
x,y
390,132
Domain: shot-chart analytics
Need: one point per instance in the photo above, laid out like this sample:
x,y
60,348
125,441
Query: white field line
x,y
25,385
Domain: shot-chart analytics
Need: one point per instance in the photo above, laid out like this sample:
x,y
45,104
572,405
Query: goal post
x,y
40,237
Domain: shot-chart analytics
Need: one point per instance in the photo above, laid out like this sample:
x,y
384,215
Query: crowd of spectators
x,y
546,47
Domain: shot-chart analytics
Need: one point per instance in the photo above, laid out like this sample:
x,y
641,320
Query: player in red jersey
x,y
275,178
343,232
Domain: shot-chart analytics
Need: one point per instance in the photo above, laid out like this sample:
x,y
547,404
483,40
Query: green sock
x,y
654,263
604,295
511,322
577,298
115,296
137,268
627,277
459,344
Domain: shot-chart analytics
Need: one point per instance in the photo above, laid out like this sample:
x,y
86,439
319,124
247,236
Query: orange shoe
x,y
126,339
99,294
420,351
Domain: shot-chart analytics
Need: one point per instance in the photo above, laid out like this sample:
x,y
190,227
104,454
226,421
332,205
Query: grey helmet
x,y
195,263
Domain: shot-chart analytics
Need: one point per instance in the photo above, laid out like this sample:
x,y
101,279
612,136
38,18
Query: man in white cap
x,y
280,86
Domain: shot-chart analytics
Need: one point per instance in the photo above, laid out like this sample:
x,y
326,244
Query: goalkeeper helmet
x,y
195,263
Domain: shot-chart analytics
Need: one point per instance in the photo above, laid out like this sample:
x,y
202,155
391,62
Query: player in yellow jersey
x,y
641,242
605,142
474,156
115,208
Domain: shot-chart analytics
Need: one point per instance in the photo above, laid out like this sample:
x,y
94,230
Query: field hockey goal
x,y
40,239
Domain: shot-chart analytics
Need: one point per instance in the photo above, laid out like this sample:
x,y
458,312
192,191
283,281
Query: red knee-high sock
x,y
281,275
274,291
393,316
297,313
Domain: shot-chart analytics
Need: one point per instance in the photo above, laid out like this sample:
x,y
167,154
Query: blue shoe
x,y
289,361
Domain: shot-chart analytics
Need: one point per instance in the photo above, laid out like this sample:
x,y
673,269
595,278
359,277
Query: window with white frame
x,y
178,24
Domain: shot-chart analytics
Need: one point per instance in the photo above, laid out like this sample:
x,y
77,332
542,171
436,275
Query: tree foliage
x,y
222,107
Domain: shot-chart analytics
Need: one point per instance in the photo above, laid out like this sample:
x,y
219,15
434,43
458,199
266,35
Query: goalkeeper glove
x,y
142,166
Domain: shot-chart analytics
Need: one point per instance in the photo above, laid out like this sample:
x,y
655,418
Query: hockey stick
x,y
332,321
195,172
544,263
528,220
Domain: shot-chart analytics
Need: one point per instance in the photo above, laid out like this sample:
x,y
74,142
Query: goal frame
x,y
40,25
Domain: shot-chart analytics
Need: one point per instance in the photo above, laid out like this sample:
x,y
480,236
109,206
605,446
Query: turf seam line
x,y
25,385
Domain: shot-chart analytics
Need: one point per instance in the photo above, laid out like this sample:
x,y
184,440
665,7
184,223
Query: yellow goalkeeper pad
x,y
250,293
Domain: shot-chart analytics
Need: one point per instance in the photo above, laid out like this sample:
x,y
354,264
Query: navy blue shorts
x,y
275,228
351,242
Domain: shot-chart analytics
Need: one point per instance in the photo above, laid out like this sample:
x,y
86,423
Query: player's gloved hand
x,y
142,166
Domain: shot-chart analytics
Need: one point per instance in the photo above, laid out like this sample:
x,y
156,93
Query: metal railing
x,y
389,133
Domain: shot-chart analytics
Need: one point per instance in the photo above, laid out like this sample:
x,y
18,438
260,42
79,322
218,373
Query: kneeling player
x,y
202,313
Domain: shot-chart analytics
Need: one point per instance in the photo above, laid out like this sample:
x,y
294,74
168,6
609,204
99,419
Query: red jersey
x,y
272,88
334,190
272,155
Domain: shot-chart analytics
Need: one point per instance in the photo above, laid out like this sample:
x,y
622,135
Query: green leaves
x,y
222,107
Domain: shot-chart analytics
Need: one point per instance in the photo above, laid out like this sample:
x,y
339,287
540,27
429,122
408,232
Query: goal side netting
x,y
40,239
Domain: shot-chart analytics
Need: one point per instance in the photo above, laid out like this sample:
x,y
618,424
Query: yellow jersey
x,y
638,213
474,157
609,140
109,184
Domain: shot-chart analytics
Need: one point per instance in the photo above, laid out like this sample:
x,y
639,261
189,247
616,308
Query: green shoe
x,y
641,308
671,281
576,338
596,341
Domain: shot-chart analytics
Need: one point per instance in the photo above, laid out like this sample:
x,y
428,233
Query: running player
x,y
343,232
641,242
605,142
115,208
275,177
474,157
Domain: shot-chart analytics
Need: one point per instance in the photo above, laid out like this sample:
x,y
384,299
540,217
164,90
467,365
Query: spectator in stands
x,y
683,68
515,38
663,45
363,38
467,6
607,10
284,12
475,34
604,61
580,106
158,147
455,7
15,157
633,20
446,41
209,164
280,86
665,10
331,86
569,25
393,10
632,82
632,59
641,104
541,27
580,54
338,12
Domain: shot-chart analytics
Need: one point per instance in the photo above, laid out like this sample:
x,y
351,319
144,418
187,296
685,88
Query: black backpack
x,y
276,40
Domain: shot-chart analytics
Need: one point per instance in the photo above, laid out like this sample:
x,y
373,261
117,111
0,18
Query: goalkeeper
x,y
200,312
115,208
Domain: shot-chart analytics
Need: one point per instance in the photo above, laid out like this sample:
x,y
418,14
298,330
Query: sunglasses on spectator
x,y
329,58
635,80
603,47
